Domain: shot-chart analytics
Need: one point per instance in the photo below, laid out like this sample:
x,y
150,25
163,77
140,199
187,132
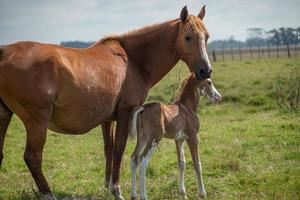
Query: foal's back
x,y
165,120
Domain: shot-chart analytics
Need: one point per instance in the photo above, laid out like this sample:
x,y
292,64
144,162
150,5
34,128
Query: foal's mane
x,y
182,89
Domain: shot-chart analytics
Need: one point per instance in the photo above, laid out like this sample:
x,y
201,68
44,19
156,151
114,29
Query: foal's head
x,y
207,88
191,43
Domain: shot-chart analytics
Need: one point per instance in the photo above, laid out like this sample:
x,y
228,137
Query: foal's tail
x,y
133,121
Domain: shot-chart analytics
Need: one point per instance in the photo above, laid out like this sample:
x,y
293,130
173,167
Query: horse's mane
x,y
140,33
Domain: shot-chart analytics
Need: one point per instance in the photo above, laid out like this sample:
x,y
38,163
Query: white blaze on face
x,y
203,51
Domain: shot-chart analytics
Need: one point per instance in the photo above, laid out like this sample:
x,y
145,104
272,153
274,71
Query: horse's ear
x,y
202,13
184,13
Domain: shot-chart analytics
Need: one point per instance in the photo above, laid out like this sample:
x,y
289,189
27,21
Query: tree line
x,y
280,36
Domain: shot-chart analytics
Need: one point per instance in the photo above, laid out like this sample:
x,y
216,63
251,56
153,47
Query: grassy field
x,y
250,149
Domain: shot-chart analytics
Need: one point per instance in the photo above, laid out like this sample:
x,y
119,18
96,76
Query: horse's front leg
x,y
181,166
118,150
108,137
193,145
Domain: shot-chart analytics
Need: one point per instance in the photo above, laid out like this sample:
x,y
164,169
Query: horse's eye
x,y
209,83
187,38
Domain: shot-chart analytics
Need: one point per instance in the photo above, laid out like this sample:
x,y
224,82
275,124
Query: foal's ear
x,y
202,13
184,13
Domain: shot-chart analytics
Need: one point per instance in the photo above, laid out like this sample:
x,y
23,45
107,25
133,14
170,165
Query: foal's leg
x,y
134,162
145,157
181,165
108,137
193,145
5,117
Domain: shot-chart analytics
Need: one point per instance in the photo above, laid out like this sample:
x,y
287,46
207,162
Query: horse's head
x,y
192,42
207,88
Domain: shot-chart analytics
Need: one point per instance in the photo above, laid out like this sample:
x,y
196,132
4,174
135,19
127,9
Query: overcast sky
x,y
53,21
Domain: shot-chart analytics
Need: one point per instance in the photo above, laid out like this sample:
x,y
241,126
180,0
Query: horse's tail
x,y
133,122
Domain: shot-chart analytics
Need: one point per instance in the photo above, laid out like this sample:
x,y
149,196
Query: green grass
x,y
250,149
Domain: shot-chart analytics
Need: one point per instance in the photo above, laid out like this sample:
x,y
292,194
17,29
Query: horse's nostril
x,y
202,71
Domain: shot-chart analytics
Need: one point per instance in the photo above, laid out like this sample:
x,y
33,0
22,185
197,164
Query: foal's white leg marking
x,y
181,166
201,189
133,166
143,166
48,196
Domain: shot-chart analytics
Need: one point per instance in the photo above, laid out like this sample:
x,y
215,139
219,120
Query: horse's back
x,y
81,85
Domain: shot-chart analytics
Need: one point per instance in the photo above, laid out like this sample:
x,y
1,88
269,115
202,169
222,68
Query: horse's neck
x,y
153,50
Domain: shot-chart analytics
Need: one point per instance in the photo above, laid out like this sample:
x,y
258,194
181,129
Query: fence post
x,y
258,49
223,58
250,47
240,53
231,51
214,56
269,53
277,53
288,49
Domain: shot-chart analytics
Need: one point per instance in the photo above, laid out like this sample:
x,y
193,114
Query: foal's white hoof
x,y
183,194
48,197
202,194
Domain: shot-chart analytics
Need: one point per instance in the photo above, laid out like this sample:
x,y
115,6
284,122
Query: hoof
x,y
116,191
106,183
48,197
118,196
202,194
183,194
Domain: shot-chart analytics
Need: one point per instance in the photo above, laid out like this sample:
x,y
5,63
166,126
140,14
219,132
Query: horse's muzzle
x,y
203,73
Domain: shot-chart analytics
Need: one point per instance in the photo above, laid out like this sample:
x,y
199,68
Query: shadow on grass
x,y
34,195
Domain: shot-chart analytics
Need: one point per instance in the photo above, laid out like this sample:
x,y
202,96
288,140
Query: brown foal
x,y
72,90
178,121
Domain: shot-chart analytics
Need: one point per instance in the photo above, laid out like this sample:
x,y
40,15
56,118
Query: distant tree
x,y
76,44
283,36
274,37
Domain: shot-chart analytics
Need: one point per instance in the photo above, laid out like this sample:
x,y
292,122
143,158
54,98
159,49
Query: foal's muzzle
x,y
203,73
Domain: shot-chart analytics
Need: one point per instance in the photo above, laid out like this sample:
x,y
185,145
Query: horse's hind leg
x,y
36,138
108,137
5,117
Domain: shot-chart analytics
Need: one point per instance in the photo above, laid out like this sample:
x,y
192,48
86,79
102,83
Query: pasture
x,y
249,147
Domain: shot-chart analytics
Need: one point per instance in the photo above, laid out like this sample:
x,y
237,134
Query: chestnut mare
x,y
72,90
179,121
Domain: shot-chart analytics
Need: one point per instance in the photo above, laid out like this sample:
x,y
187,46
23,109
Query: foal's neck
x,y
152,50
188,95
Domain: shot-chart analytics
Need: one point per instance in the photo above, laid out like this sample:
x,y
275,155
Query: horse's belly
x,y
82,115
81,107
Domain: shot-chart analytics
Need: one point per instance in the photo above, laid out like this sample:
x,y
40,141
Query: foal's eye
x,y
187,38
209,83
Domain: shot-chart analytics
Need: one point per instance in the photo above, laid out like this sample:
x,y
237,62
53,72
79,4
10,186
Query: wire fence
x,y
254,52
